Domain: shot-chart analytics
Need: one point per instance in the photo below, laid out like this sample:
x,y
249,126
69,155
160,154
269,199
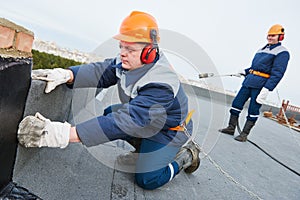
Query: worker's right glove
x,y
54,77
38,131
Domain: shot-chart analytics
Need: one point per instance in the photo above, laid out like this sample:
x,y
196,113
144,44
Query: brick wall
x,y
15,40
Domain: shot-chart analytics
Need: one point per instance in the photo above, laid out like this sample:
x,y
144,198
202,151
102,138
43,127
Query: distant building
x,y
53,48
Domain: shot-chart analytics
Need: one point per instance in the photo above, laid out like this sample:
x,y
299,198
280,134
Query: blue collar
x,y
272,46
118,65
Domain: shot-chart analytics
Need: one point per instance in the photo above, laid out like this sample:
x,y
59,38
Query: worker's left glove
x,y
54,77
38,131
262,96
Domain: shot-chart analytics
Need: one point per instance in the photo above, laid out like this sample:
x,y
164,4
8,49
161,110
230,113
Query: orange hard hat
x,y
276,29
138,27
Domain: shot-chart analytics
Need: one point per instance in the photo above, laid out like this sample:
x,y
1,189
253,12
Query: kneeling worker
x,y
154,106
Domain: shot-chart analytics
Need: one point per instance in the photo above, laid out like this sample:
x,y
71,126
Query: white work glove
x,y
262,96
38,131
54,77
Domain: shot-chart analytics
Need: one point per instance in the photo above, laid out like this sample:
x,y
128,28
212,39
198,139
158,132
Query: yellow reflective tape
x,y
189,116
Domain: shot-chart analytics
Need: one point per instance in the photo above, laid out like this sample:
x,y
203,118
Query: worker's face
x,y
130,55
272,39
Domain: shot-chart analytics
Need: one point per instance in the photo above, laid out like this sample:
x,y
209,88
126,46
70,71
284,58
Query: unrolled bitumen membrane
x,y
230,170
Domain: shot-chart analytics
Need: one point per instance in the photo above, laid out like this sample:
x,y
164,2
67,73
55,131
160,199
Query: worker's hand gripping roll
x,y
38,131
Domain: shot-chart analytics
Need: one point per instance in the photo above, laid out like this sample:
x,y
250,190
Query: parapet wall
x,y
56,105
227,100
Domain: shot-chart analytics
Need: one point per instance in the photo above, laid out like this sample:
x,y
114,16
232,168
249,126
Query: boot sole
x,y
240,140
195,165
196,160
237,138
228,133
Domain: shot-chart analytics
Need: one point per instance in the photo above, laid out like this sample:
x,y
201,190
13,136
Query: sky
x,y
230,32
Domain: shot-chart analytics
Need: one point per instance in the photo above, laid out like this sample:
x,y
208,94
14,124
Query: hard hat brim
x,y
275,33
127,38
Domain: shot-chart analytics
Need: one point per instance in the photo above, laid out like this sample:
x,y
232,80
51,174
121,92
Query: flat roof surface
x,y
228,170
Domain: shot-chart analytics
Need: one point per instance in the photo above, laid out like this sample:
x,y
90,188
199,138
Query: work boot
x,y
231,125
14,192
188,157
246,130
130,158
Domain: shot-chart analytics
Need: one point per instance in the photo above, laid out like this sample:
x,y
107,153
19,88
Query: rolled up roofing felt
x,y
15,72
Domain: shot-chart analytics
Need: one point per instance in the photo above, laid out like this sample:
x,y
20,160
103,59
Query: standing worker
x,y
154,106
267,69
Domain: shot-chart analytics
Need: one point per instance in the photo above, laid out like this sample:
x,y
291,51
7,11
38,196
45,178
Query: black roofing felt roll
x,y
14,86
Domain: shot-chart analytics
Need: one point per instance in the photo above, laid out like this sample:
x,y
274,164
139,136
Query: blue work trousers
x,y
239,101
155,164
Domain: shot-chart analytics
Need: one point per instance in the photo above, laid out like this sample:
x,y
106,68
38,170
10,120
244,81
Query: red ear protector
x,y
150,52
281,36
